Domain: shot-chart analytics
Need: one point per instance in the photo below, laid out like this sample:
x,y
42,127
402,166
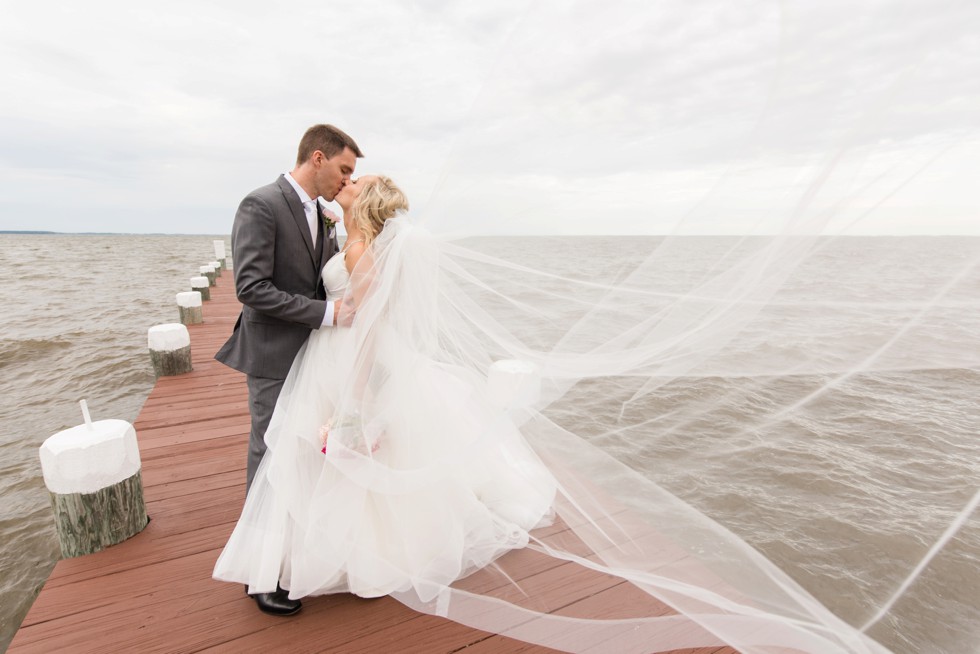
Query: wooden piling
x,y
208,271
219,253
170,349
202,286
189,308
90,522
92,473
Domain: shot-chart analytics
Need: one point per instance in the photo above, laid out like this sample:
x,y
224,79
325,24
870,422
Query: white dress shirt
x,y
310,209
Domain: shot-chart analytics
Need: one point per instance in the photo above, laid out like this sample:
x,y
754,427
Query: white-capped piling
x,y
170,349
513,384
208,271
92,473
217,268
189,307
202,286
219,253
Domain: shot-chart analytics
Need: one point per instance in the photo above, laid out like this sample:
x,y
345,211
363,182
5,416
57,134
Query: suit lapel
x,y
320,238
321,250
327,243
299,216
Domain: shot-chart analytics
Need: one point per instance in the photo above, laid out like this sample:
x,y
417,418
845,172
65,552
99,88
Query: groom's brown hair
x,y
327,139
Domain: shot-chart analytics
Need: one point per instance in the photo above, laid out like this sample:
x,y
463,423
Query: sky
x,y
505,117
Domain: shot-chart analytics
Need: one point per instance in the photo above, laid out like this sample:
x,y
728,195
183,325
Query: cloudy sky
x,y
624,117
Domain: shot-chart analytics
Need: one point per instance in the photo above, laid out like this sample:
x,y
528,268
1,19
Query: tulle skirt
x,y
428,485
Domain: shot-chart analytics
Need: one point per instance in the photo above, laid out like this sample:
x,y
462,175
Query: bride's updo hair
x,y
378,201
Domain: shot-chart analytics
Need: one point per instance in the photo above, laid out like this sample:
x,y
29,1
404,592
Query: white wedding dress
x,y
427,485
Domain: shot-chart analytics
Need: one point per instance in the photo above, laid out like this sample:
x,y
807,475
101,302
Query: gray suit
x,y
277,278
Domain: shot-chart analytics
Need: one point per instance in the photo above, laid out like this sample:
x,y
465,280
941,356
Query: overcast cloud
x,y
715,116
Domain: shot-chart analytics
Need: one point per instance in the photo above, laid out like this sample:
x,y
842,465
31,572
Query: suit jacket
x,y
277,268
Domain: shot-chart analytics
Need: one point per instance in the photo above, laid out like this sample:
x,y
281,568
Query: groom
x,y
279,243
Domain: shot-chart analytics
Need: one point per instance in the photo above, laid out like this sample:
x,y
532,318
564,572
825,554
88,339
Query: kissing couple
x,y
375,465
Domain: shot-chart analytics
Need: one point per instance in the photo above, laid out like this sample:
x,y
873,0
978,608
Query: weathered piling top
x,y
154,592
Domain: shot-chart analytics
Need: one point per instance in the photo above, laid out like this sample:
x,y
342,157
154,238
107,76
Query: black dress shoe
x,y
277,603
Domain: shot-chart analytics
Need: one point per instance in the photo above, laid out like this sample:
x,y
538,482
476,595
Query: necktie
x,y
312,214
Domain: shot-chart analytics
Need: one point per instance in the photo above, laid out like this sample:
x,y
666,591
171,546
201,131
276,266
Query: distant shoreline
x,y
33,232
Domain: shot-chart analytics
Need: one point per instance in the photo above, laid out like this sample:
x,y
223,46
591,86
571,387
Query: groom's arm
x,y
253,242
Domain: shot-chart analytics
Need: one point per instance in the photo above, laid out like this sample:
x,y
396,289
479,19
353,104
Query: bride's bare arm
x,y
343,312
361,270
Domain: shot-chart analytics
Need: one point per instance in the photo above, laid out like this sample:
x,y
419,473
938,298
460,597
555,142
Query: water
x,y
76,309
878,464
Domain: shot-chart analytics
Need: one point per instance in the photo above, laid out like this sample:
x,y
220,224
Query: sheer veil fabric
x,y
423,307
767,324
747,347
755,348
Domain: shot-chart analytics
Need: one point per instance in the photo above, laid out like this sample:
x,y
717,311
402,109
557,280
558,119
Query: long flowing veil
x,y
665,379
427,306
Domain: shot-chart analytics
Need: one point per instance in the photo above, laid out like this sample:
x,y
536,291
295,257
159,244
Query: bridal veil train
x,y
709,404
425,480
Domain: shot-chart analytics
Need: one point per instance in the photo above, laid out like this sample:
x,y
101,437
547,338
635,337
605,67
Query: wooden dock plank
x,y
154,592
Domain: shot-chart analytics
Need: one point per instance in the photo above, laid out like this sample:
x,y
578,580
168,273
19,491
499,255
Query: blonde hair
x,y
378,201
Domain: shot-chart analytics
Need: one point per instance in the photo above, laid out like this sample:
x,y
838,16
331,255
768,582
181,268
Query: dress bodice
x,y
335,276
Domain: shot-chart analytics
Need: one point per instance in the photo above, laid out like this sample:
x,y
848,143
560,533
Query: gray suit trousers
x,y
262,395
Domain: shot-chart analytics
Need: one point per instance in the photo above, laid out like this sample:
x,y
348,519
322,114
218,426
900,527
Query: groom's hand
x,y
343,312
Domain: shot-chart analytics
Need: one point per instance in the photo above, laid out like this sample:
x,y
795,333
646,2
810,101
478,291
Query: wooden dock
x,y
154,592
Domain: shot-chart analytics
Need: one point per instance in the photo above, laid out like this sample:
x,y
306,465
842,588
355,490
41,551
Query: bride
x,y
385,474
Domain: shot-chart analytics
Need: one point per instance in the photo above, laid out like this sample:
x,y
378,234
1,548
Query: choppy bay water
x,y
877,465
76,309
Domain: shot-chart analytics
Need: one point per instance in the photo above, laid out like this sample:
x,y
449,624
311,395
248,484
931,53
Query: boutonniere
x,y
329,218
